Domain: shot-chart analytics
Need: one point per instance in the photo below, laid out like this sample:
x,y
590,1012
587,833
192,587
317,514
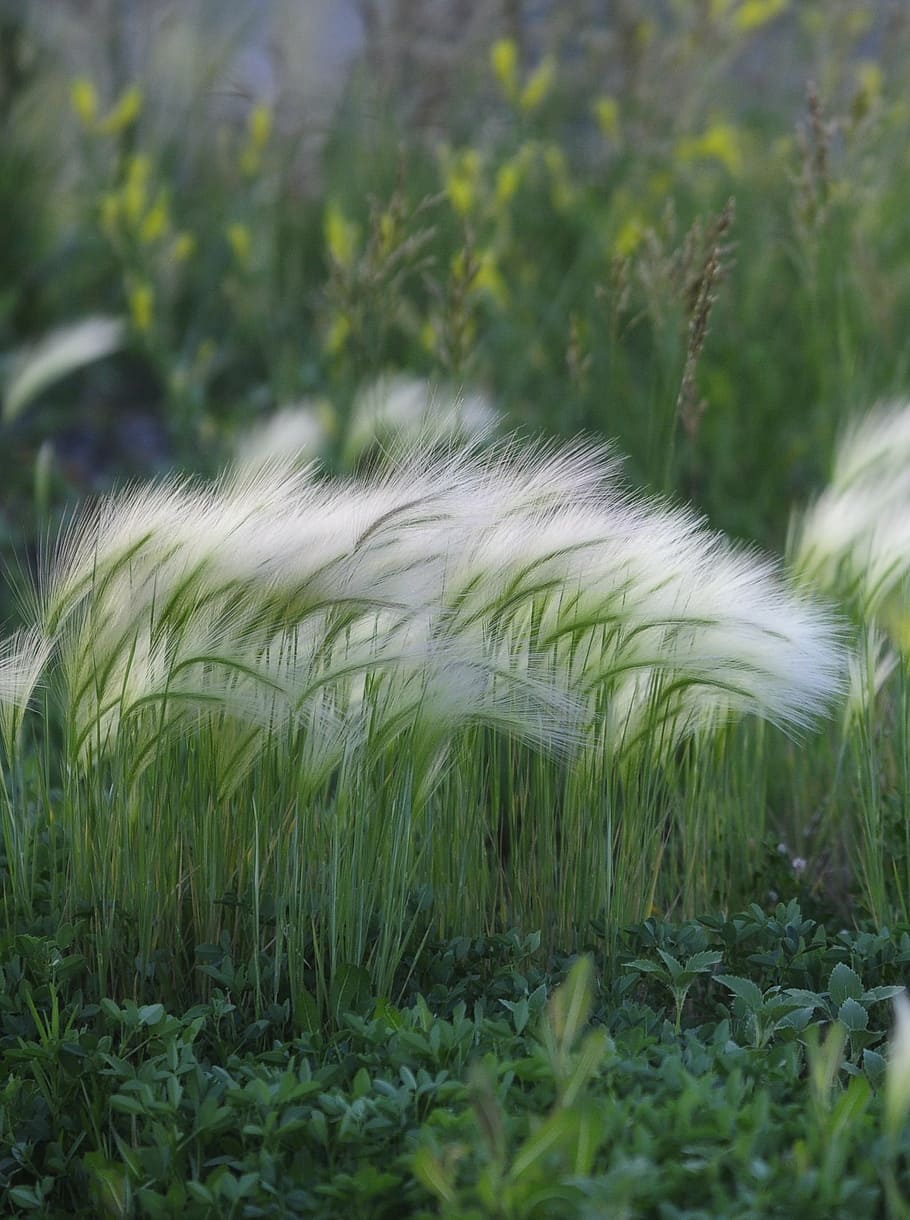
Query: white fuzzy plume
x,y
520,588
23,658
400,408
296,433
854,541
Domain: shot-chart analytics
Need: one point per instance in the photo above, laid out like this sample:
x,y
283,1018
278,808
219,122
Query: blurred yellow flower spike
x,y
504,62
259,124
722,142
870,78
240,239
508,180
388,232
489,279
156,222
462,181
481,276
753,14
342,236
606,111
629,237
109,213
141,301
337,335
645,32
538,85
429,337
135,188
124,113
84,98
259,130
183,248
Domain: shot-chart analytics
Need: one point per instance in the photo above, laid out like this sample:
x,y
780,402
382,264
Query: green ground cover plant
x,y
454,722
497,1086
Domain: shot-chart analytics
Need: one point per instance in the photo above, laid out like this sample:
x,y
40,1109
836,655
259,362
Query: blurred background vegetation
x,y
679,223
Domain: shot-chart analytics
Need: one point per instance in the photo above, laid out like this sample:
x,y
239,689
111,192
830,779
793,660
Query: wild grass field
x,y
454,703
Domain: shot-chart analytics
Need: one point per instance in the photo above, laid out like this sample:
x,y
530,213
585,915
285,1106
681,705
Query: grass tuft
x,y
451,654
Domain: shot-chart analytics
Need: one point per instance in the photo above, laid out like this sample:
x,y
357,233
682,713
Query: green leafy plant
x,y
676,976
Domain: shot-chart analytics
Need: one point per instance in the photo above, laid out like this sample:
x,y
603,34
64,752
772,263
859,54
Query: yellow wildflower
x,y
259,131
259,125
753,14
722,143
870,78
462,181
629,237
156,222
142,306
84,98
240,239
508,180
538,85
338,334
606,111
504,61
124,113
135,192
110,214
645,32
485,276
342,236
183,248
428,336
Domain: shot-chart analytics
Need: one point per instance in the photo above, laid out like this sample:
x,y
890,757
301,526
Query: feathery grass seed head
x,y
519,587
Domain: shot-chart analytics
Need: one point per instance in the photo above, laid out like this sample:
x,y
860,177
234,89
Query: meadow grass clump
x,y
855,539
854,542
471,675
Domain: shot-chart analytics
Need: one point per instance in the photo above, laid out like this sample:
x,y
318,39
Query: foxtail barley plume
x,y
517,587
395,413
399,410
56,356
854,541
298,433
